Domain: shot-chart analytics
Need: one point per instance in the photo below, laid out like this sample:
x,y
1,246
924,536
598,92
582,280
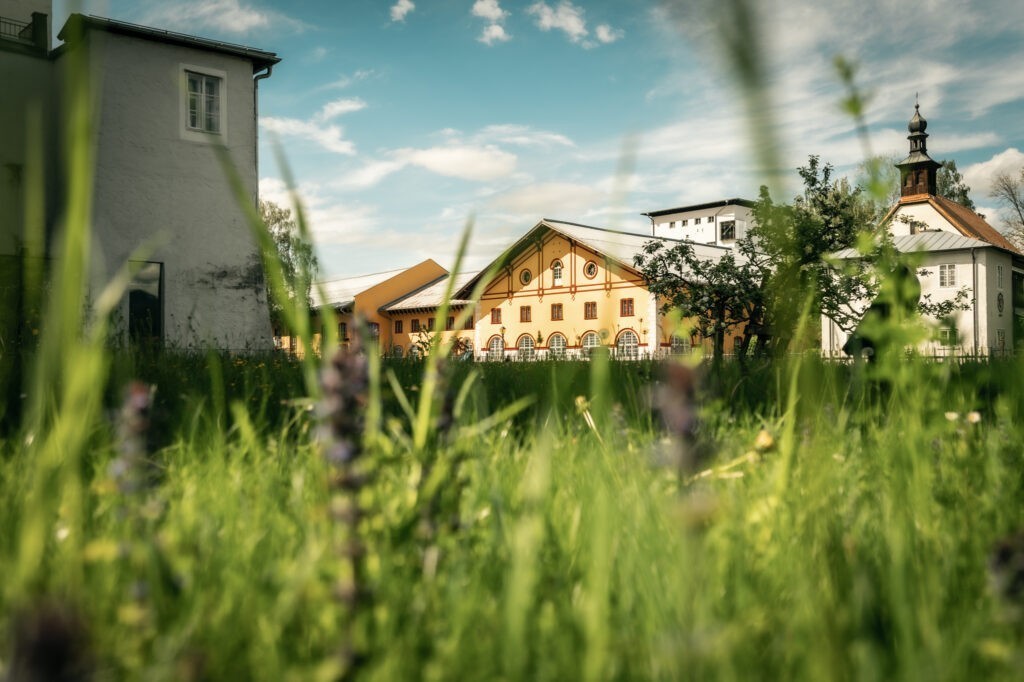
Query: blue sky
x,y
401,119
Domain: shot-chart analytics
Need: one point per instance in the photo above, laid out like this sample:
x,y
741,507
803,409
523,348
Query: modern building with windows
x,y
165,106
719,223
953,249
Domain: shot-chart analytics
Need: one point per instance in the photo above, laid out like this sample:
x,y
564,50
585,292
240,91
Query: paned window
x,y
449,324
396,351
469,323
680,345
628,345
556,273
399,326
590,341
696,221
343,331
524,313
948,337
525,276
430,324
556,346
414,325
684,222
947,275
728,230
556,311
495,315
590,269
526,347
626,307
590,310
496,348
203,102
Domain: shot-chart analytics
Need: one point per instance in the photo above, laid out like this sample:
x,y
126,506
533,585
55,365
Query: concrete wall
x,y
157,185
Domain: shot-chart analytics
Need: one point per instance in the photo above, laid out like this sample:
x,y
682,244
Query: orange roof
x,y
966,221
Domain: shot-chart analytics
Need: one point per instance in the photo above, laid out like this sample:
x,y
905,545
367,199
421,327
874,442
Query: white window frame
x,y
199,134
590,341
628,345
556,273
680,345
496,349
526,347
947,275
556,345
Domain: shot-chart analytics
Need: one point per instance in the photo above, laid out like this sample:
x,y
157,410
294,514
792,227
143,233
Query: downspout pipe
x,y
974,275
256,117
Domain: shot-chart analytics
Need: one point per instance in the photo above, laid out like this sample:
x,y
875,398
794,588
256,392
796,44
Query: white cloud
x,y
566,17
340,107
401,8
979,176
489,10
328,137
521,136
606,34
345,80
229,16
493,33
463,161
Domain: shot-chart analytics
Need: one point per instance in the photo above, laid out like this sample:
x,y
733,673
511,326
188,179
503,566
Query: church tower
x,y
917,171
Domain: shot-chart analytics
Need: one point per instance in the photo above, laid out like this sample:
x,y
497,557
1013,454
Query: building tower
x,y
918,170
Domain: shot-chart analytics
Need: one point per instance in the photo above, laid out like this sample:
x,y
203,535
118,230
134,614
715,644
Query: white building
x,y
719,223
955,249
165,103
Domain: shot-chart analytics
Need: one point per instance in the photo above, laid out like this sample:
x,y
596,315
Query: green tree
x,y
298,259
950,184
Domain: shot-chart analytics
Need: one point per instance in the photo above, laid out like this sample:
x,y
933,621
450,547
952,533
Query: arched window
x,y
496,348
415,352
526,347
628,345
396,351
556,346
680,345
556,273
590,341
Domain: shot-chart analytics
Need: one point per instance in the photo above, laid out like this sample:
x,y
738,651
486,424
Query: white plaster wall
x,y
922,212
706,232
989,290
152,184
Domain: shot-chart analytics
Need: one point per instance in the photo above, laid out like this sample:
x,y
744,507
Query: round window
x,y
525,276
590,269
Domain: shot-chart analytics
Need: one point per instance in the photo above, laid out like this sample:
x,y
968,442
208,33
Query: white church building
x,y
955,249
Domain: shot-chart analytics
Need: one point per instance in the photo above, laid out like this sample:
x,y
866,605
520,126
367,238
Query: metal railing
x,y
16,30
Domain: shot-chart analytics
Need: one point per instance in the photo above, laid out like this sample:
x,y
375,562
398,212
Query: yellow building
x,y
560,291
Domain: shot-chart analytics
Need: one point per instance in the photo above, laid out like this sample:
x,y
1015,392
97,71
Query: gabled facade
x,y
954,249
164,104
560,291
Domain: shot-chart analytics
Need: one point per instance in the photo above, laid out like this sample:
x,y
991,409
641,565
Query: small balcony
x,y
30,34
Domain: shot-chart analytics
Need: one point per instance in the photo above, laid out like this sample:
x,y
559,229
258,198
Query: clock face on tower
x,y
1000,302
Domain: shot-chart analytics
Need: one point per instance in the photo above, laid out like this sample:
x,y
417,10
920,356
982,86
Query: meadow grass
x,y
512,521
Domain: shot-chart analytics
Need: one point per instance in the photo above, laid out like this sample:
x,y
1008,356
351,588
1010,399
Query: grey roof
x,y
932,240
623,246
431,295
339,293
260,59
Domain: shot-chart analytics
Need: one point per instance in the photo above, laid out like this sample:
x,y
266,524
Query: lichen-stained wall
x,y
161,188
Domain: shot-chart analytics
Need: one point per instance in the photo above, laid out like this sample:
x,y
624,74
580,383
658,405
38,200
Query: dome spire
x,y
917,171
